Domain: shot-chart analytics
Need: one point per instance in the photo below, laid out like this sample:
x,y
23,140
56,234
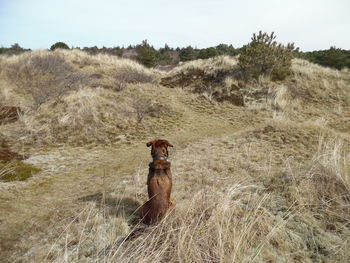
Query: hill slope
x,y
261,170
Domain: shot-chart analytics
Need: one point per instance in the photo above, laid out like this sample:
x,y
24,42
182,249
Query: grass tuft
x,y
16,171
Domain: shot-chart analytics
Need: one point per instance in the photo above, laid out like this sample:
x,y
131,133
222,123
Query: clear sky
x,y
310,24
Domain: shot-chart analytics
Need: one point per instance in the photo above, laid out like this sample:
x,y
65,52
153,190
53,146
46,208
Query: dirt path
x,y
209,152
222,141
69,175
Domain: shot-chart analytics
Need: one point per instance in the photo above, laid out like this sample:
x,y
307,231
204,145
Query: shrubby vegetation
x,y
264,56
15,49
16,171
167,56
332,57
146,54
271,181
43,77
61,45
149,56
207,53
187,54
224,49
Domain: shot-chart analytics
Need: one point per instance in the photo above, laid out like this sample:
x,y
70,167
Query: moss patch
x,y
17,171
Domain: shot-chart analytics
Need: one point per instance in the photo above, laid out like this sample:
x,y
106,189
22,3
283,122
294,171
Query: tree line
x,y
149,56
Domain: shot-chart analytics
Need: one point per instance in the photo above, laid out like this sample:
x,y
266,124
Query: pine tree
x,y
264,56
146,54
187,54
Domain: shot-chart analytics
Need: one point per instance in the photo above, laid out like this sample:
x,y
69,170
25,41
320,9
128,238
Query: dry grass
x,y
306,92
62,108
6,170
41,73
216,79
16,171
258,195
311,70
282,215
267,182
94,115
210,66
44,77
110,71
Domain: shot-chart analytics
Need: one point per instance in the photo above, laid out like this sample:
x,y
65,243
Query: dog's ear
x,y
149,143
168,144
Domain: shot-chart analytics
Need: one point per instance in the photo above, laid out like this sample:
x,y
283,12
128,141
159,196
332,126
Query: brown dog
x,y
159,184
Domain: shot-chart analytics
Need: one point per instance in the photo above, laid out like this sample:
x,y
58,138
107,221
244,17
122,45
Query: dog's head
x,y
159,148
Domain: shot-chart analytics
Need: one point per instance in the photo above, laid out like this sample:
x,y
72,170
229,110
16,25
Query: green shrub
x,y
332,57
15,49
59,45
223,49
264,56
167,56
207,53
146,54
187,54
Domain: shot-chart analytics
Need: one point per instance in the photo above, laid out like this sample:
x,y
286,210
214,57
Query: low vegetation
x,y
263,56
333,57
44,76
61,45
16,171
260,165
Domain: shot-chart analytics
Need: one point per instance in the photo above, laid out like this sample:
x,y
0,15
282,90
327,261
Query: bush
x,y
43,77
130,75
146,54
207,53
167,56
224,49
15,49
263,56
187,54
142,107
61,45
332,57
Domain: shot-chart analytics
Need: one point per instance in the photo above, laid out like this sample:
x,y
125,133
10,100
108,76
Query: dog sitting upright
x,y
159,183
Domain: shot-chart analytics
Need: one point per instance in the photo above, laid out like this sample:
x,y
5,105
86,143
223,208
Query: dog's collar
x,y
160,159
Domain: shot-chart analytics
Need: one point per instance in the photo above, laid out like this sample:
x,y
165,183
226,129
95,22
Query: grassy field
x,y
261,170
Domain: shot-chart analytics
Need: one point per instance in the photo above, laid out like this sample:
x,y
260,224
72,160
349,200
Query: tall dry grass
x,y
6,169
96,115
242,225
213,227
44,77
291,206
41,75
296,214
71,97
309,85
209,66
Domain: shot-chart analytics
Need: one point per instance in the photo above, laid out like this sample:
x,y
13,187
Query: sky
x,y
310,24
